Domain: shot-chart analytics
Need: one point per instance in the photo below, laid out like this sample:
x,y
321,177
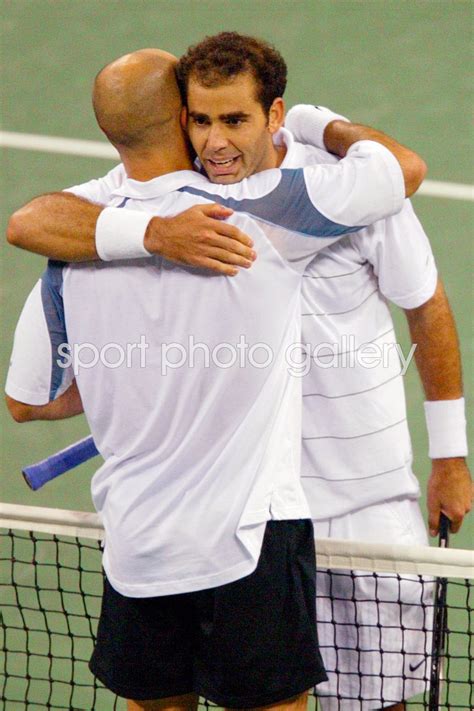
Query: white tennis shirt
x,y
356,442
201,439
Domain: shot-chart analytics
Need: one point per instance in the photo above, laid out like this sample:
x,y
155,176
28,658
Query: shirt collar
x,y
157,187
295,152
284,138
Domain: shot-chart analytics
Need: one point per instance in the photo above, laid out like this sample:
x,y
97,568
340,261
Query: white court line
x,y
452,191
55,144
99,149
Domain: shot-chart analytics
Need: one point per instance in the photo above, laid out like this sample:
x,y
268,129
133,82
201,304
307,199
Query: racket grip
x,y
36,475
443,531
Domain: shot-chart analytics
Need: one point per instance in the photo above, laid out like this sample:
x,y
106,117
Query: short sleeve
x,y
100,190
366,186
37,372
401,255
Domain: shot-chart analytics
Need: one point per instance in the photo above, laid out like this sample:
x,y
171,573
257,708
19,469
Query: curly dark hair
x,y
221,57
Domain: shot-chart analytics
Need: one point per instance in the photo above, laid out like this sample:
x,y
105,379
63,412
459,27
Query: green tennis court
x,y
401,66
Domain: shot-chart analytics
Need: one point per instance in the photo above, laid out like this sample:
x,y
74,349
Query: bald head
x,y
136,99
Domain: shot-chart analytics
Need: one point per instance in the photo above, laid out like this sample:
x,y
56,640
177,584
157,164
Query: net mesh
x,y
375,627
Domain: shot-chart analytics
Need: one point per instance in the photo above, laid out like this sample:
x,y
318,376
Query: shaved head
x,y
136,99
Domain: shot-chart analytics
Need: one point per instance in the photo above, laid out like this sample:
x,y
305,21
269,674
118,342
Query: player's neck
x,y
148,168
273,157
156,161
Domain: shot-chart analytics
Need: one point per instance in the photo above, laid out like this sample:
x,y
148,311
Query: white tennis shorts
x,y
374,631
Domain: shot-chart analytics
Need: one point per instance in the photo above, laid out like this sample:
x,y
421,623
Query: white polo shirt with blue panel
x,y
200,428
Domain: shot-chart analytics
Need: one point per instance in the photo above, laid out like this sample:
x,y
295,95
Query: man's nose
x,y
216,138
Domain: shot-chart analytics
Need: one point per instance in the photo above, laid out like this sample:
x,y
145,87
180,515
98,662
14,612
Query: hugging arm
x,y
339,136
63,226
322,128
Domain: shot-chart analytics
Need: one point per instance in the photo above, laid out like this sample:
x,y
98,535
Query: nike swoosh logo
x,y
414,667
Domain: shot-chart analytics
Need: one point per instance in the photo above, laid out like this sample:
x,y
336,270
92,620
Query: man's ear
x,y
276,115
184,118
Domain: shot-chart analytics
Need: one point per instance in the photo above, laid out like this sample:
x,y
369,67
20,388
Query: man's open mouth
x,y
223,165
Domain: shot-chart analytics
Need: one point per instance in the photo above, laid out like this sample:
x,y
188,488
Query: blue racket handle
x,y
36,475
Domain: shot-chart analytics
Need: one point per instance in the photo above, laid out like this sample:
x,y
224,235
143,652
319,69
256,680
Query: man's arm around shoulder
x,y
340,135
56,225
320,127
62,226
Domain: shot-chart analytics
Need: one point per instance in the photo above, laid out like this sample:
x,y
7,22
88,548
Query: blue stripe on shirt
x,y
53,307
288,205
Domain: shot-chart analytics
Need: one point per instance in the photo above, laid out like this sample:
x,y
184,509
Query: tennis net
x,y
51,584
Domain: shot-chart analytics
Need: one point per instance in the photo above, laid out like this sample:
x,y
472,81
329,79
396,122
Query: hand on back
x,y
200,237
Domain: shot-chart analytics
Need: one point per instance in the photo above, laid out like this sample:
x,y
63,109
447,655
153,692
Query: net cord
x,y
331,553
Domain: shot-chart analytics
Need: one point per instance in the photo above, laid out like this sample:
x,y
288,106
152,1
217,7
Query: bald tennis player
x,y
200,491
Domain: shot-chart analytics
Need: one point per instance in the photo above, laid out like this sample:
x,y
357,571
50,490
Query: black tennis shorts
x,y
249,643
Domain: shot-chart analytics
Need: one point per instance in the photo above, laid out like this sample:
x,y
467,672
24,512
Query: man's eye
x,y
200,120
234,121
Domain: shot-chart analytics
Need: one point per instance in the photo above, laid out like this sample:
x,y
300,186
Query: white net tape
x,y
331,553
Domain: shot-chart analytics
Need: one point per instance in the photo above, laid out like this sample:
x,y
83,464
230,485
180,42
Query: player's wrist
x,y
155,235
440,461
446,425
120,234
308,123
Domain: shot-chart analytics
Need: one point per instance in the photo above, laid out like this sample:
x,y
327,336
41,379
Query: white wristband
x,y
307,123
119,234
446,425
